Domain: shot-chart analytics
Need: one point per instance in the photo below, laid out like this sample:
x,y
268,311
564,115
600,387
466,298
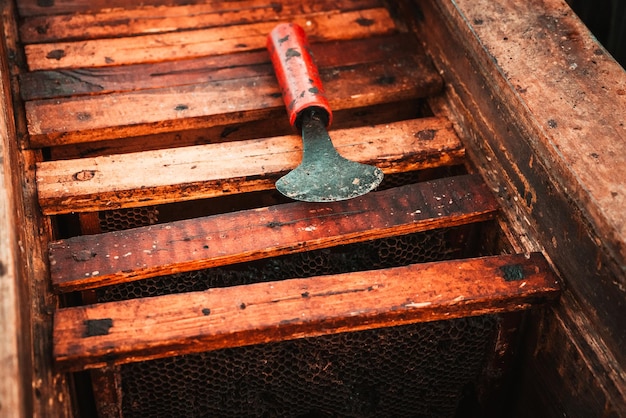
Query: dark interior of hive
x,y
116,86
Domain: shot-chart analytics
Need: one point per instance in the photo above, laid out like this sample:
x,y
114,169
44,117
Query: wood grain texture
x,y
274,125
200,42
556,352
30,8
572,208
576,95
13,309
532,88
238,65
91,261
117,22
143,329
162,176
30,387
104,117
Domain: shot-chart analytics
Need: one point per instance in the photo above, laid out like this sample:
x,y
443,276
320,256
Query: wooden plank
x,y
563,195
106,384
541,105
28,8
122,22
143,329
202,42
164,176
91,261
560,347
576,109
30,386
272,126
74,82
13,305
95,118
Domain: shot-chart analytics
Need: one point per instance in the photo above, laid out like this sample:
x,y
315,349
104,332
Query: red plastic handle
x,y
296,72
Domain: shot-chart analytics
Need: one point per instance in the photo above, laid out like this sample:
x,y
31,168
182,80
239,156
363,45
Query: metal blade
x,y
324,175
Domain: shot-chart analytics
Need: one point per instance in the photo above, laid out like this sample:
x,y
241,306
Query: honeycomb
x,y
417,370
116,220
419,247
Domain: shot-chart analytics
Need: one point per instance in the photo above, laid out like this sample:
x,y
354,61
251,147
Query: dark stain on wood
x,y
42,29
97,327
206,311
83,255
365,22
386,80
426,134
84,175
56,54
45,3
512,272
230,129
83,116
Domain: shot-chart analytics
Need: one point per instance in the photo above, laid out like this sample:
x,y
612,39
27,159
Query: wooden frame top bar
x,y
91,261
143,329
187,173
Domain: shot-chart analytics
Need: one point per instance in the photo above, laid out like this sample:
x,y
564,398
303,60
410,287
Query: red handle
x,y
296,72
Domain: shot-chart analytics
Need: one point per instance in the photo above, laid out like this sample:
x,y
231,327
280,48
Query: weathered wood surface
x,y
543,107
117,22
275,125
91,261
142,329
30,8
577,95
162,176
170,109
201,42
13,309
563,372
237,65
194,76
29,387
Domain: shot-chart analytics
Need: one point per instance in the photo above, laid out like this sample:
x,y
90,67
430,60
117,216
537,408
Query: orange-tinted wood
x,y
275,125
91,261
28,8
170,175
103,117
117,22
143,329
200,42
74,82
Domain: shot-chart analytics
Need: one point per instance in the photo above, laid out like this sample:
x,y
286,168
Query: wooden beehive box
x,y
141,144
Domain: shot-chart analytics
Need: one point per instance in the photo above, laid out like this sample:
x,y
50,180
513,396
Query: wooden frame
x,y
13,315
529,88
544,105
31,387
142,329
